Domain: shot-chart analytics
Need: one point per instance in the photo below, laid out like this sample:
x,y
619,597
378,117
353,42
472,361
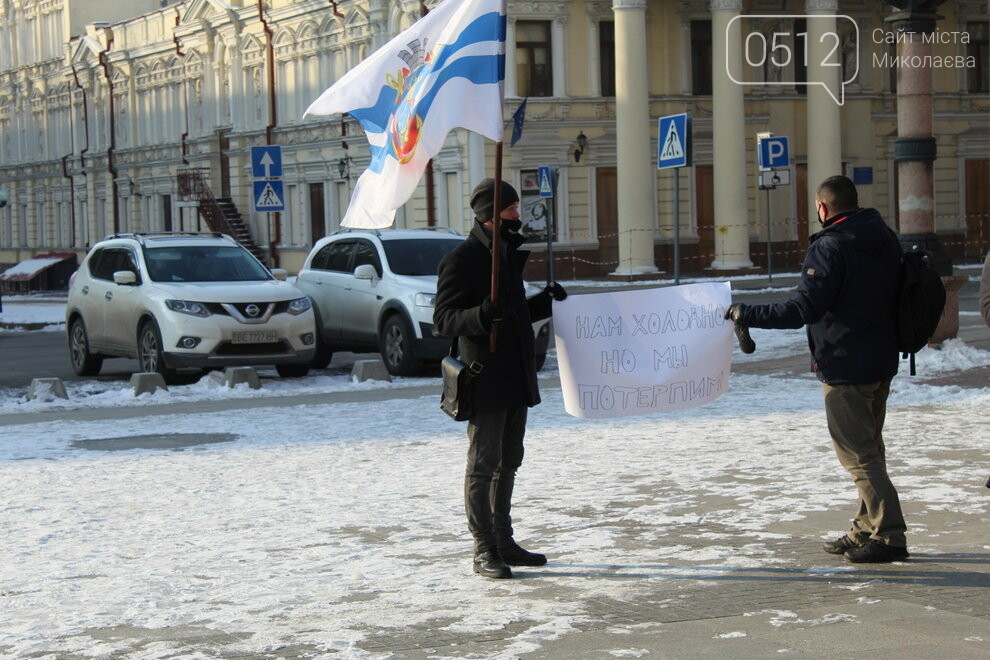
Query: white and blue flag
x,y
446,71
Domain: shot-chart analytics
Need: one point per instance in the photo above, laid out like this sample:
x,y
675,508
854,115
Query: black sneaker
x,y
840,545
488,564
746,343
876,552
513,555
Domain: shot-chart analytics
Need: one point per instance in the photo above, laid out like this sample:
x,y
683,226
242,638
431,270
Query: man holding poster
x,y
848,299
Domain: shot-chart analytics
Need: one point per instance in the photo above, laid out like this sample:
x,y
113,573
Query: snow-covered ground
x,y
326,524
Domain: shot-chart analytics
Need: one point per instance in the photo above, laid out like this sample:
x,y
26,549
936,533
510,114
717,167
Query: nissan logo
x,y
252,310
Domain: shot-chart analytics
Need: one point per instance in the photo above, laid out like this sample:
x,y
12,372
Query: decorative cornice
x,y
726,5
620,5
542,8
821,6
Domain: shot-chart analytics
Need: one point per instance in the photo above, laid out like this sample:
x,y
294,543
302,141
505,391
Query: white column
x,y
824,133
632,123
729,139
559,63
510,58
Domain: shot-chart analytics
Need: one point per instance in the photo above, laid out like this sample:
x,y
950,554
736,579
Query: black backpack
x,y
921,299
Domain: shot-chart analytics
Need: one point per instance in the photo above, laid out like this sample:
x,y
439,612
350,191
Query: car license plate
x,y
254,337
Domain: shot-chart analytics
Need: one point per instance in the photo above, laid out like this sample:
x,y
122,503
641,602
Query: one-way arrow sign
x,y
266,161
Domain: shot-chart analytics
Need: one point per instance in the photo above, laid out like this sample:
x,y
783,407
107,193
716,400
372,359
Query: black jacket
x,y
847,297
509,376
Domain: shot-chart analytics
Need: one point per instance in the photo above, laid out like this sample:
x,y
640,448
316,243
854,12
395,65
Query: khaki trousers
x,y
855,415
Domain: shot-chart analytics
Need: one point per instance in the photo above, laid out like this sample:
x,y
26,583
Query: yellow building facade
x,y
135,122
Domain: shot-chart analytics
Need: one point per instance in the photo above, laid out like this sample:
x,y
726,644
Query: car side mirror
x,y
280,274
366,272
126,277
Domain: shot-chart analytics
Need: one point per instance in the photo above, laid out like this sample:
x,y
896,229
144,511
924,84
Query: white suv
x,y
185,301
373,290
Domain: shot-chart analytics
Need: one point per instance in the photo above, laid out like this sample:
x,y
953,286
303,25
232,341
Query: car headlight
x,y
426,299
299,305
187,307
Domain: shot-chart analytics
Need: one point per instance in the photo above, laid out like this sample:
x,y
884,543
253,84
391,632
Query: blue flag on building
x,y
518,117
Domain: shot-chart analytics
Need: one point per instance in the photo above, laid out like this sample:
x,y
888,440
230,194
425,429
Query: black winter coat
x,y
509,376
847,297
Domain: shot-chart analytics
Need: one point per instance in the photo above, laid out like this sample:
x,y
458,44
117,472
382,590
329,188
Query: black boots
x,y
513,555
495,563
488,564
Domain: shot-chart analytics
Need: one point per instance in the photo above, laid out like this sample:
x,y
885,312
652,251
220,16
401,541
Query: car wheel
x,y
395,344
292,370
321,358
149,352
84,363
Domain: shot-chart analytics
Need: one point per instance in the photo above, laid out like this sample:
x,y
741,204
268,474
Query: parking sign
x,y
773,152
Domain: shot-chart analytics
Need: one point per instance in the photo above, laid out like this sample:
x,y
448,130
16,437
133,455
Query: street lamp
x,y
582,144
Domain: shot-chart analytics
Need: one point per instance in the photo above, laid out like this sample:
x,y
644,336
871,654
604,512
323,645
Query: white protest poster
x,y
637,352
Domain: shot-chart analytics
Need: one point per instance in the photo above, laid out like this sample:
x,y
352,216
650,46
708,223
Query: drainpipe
x,y
272,123
82,156
185,92
111,167
431,196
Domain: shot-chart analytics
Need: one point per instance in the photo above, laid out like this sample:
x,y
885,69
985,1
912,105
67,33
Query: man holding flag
x,y
506,386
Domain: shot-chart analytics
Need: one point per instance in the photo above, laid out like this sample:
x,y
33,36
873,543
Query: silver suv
x,y
373,290
185,301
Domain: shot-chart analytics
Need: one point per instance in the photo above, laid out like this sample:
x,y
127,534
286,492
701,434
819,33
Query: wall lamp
x,y
344,168
582,144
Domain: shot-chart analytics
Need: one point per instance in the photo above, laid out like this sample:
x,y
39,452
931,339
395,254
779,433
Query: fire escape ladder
x,y
221,215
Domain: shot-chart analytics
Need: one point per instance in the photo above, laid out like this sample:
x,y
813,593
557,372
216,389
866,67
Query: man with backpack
x,y
847,298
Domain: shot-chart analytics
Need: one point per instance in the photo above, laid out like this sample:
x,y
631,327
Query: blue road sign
x,y
269,196
674,141
266,162
545,176
773,152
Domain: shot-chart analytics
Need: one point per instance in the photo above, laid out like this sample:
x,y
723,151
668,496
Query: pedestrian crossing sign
x,y
674,141
269,196
545,176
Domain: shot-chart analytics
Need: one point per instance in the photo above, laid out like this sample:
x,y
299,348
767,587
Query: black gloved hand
x,y
735,313
556,291
491,311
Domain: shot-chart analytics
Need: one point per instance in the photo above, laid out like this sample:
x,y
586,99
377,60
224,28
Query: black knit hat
x,y
483,198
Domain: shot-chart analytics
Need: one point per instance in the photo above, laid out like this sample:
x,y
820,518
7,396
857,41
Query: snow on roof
x,y
31,267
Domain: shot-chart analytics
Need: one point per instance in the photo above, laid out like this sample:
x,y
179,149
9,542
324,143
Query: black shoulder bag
x,y
457,396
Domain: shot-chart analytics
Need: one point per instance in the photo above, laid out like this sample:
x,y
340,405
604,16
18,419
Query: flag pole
x,y
496,231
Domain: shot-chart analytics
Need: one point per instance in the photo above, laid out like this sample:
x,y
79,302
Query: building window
x,y
979,49
535,211
701,58
534,72
606,57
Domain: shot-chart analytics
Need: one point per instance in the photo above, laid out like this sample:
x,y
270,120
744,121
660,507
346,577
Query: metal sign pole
x,y
769,269
677,225
550,219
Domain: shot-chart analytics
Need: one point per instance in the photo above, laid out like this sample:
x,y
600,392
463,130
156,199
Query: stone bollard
x,y
236,375
46,389
147,382
370,370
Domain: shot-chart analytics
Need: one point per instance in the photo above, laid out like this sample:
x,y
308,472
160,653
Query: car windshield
x,y
417,256
203,263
